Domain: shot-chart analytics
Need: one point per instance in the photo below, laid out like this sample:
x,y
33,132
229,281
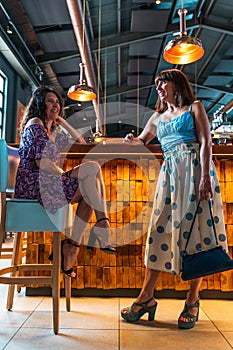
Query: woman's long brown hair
x,y
183,90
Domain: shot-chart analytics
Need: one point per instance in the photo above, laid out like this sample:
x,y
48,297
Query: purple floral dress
x,y
52,191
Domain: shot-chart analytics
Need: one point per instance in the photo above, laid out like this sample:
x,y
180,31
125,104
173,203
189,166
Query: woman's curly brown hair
x,y
36,106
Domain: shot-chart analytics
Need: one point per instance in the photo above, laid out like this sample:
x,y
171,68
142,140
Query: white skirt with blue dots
x,y
175,203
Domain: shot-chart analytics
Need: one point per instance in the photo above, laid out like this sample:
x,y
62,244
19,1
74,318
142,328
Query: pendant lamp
x,y
81,92
183,50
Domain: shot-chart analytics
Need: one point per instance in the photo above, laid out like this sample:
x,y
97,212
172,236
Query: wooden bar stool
x,y
24,215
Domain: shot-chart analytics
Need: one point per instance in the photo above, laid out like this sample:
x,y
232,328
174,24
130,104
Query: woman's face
x,y
165,90
52,106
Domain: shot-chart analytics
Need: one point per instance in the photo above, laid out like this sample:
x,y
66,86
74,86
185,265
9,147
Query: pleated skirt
x,y
175,203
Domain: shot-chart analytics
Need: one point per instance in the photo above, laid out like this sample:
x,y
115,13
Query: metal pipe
x,y
77,20
228,106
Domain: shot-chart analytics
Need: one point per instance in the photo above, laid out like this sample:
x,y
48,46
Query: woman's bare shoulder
x,y
197,104
154,118
34,120
198,111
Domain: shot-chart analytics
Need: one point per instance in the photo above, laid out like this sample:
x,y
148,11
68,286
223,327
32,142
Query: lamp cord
x,y
105,91
138,92
99,36
84,15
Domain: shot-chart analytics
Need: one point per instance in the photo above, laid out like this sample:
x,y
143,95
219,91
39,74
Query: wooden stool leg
x,y
3,218
16,256
67,292
56,280
67,279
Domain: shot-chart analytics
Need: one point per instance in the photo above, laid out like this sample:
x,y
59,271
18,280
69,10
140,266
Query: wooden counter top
x,y
121,149
78,150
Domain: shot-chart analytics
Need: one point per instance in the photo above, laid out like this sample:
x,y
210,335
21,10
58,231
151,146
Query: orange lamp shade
x,y
82,93
183,50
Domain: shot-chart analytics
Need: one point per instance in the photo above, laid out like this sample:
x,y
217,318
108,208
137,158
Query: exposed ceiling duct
x,y
77,20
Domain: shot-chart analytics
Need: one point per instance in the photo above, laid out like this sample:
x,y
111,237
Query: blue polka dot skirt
x,y
175,202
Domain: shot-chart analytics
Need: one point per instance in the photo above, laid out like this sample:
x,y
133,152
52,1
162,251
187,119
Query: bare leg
x,y
147,290
90,195
148,286
192,297
193,294
92,190
91,187
82,217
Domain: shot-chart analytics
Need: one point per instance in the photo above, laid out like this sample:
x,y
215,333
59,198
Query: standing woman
x,y
187,176
39,177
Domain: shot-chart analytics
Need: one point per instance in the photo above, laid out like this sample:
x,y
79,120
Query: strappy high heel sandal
x,y
107,248
192,319
133,316
70,272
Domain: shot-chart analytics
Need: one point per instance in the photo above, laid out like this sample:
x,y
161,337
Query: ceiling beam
x,y
125,89
13,56
131,38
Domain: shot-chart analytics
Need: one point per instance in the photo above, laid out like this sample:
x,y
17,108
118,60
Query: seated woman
x,y
39,177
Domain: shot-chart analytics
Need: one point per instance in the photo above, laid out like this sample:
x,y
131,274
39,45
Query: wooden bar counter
x,y
130,174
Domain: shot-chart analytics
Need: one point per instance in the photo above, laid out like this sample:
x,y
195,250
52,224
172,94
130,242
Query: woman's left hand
x,y
59,120
205,188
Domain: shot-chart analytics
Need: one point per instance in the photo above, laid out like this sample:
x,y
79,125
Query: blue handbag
x,y
205,262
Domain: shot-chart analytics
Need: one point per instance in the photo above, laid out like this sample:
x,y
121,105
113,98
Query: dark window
x,y
3,91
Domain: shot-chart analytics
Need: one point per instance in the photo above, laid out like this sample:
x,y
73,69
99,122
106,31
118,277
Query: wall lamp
x,y
9,28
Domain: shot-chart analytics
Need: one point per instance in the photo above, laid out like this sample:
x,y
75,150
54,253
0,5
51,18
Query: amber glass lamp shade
x,y
81,92
184,49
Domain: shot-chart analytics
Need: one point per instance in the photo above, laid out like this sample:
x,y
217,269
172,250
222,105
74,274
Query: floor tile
x,y
220,312
229,337
6,334
13,318
42,338
95,323
86,313
160,340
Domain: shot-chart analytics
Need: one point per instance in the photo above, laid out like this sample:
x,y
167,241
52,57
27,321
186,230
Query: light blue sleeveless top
x,y
176,131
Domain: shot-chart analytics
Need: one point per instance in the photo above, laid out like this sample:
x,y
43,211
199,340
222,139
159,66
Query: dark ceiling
x,y
123,50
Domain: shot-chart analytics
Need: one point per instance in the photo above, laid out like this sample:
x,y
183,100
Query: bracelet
x,y
142,141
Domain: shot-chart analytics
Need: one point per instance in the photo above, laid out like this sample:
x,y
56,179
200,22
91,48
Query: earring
x,y
177,99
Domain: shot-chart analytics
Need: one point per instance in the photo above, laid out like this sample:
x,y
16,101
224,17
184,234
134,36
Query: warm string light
x,y
105,92
195,67
98,78
195,75
138,92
